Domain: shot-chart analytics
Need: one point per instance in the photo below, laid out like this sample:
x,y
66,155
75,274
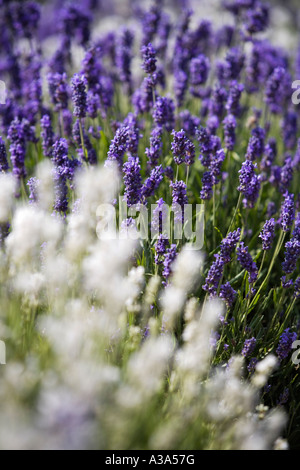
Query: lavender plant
x,y
108,332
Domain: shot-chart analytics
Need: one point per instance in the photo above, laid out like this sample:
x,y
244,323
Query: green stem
x,y
235,213
287,315
262,264
23,190
187,175
82,140
276,252
214,217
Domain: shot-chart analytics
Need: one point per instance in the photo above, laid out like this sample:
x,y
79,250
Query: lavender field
x,y
149,225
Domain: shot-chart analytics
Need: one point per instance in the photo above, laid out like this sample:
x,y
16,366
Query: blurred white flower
x,y
8,187
32,227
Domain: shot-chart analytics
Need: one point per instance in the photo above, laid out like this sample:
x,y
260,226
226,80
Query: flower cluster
x,y
107,314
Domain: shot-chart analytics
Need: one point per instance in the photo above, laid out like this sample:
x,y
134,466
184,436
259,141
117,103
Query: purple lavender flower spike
x,y
256,144
118,147
183,149
178,146
189,153
142,98
92,68
153,182
179,198
287,212
212,124
149,59
64,166
229,131
163,113
214,276
235,60
273,93
249,184
296,232
289,129
207,186
216,165
199,70
268,234
270,154
205,143
33,184
47,135
169,173
247,262
24,18
17,148
150,23
61,201
252,365
161,247
189,123
79,96
4,167
155,150
257,18
228,294
218,101
228,245
58,89
286,283
291,256
132,181
180,86
286,174
160,214
60,152
67,118
169,259
249,347
233,103
124,57
133,134
77,23
285,344
93,104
